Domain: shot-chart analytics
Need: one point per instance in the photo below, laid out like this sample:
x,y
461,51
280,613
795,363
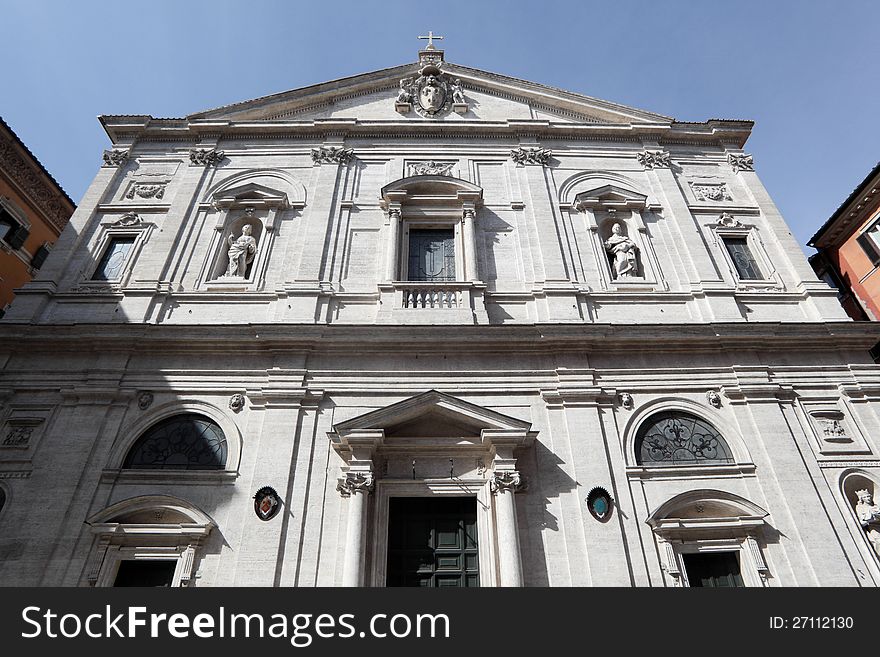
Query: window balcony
x,y
432,302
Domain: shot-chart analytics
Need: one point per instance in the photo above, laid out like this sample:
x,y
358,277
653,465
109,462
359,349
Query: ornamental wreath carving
x,y
654,159
115,157
429,168
332,154
727,220
146,190
711,191
523,156
741,162
207,157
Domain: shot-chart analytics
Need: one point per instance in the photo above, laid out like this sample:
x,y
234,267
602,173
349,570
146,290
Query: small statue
x,y
241,252
866,510
457,93
405,93
623,249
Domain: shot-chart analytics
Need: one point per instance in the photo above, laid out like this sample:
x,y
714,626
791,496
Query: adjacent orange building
x,y
848,246
33,211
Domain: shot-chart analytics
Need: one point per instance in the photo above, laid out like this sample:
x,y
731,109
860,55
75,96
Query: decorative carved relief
x,y
711,191
236,402
433,93
727,220
128,219
741,162
713,398
626,400
523,156
355,482
145,400
506,481
429,168
115,157
831,426
208,157
331,155
146,190
654,159
19,433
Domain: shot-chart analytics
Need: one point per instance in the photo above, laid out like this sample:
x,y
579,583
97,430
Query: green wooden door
x,y
713,570
432,541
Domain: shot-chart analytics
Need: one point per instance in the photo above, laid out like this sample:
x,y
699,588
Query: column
x,y
504,485
393,256
470,245
356,486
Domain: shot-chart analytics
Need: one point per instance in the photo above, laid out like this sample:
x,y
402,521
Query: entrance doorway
x,y
713,570
432,541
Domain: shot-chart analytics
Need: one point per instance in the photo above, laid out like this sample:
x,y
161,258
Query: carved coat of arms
x,y
433,93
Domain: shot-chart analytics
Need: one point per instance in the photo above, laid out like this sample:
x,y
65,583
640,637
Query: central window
x,y
431,255
713,570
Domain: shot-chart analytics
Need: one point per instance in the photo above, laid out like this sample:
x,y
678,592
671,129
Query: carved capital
x,y
741,162
115,157
523,156
468,213
207,157
506,481
654,159
332,154
355,482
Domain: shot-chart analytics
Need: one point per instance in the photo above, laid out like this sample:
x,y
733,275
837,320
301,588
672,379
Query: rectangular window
x,y
111,263
869,245
431,255
145,573
713,570
743,260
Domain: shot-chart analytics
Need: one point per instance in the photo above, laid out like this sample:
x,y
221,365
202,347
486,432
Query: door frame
x,y
486,535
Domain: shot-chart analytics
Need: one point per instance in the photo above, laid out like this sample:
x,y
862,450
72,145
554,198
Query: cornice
x,y
540,338
35,183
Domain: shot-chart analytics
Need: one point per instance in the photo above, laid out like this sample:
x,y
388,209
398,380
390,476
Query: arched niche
x,y
254,199
860,490
148,530
601,202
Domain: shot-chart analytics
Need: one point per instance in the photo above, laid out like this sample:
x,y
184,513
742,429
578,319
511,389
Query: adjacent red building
x,y
848,246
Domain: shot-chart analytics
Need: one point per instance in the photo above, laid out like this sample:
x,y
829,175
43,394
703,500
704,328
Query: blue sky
x,y
806,72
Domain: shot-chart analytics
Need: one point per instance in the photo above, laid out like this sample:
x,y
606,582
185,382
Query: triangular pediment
x,y
371,96
433,412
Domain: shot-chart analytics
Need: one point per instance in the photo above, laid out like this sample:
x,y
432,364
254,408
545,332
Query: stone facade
x,y
606,268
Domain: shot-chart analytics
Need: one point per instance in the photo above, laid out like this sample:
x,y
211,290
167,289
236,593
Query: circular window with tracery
x,y
679,438
181,442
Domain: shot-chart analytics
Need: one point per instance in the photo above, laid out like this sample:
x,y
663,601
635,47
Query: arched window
x,y
182,442
679,438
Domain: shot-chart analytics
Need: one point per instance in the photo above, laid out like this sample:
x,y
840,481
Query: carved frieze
x,y
20,432
831,425
523,156
146,190
429,168
115,157
332,155
711,191
654,159
207,157
741,162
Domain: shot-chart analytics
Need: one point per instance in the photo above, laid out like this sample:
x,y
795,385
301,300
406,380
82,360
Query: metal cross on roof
x,y
430,39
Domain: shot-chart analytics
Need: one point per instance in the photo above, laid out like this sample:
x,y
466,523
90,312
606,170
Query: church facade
x,y
434,326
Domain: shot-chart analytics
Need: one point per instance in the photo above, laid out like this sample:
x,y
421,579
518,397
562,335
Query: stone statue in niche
x,y
623,253
241,252
869,517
